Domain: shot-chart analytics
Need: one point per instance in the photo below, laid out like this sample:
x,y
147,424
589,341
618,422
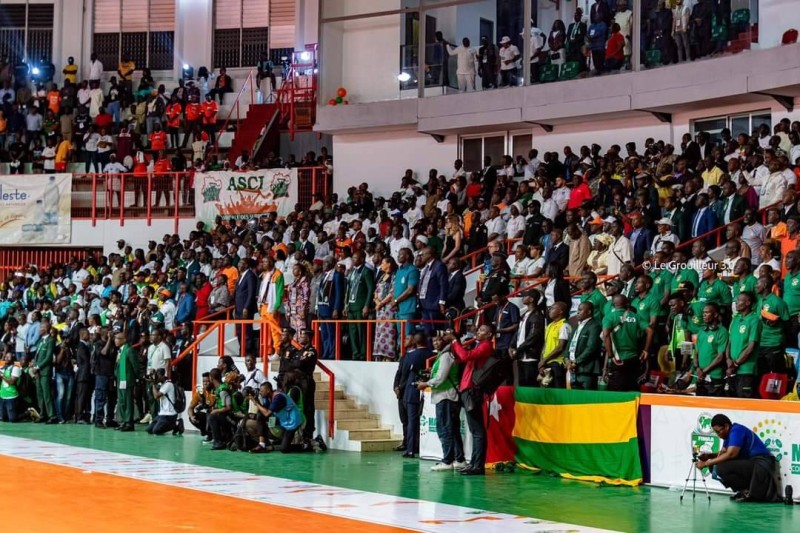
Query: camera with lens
x,y
249,392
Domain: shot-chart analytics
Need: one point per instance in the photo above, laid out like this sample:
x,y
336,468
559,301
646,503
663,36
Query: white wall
x,y
307,23
371,59
774,18
194,23
605,134
380,159
136,232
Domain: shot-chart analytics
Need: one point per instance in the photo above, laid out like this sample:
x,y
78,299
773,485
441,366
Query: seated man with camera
x,y
163,390
286,412
202,403
743,464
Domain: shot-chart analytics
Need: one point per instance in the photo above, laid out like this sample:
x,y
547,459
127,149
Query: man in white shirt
x,y
398,242
465,66
495,226
753,235
520,264
509,55
561,193
95,68
163,390
533,164
774,186
158,356
621,251
167,308
665,234
253,377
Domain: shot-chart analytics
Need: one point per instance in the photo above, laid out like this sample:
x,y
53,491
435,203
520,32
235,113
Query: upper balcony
x,y
394,60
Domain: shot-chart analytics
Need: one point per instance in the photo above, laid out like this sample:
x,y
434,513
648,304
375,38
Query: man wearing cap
x,y
509,55
167,308
665,234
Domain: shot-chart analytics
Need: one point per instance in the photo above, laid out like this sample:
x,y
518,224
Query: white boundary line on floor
x,y
370,507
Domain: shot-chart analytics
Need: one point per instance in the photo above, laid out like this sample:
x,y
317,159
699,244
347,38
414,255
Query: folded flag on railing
x,y
585,435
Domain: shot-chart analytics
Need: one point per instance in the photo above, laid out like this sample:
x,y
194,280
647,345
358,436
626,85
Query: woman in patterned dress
x,y
299,295
385,348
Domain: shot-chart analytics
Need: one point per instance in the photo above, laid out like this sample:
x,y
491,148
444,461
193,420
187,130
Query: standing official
x,y
360,288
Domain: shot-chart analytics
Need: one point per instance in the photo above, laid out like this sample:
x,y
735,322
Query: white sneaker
x,y
459,466
146,419
441,467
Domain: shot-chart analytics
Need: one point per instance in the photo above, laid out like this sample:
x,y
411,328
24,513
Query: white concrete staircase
x,y
355,428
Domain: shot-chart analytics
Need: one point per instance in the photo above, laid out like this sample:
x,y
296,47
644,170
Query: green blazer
x,y
360,289
587,350
737,207
45,349
128,358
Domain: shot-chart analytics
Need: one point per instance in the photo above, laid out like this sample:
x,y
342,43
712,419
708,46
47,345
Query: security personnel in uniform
x,y
303,363
286,353
497,281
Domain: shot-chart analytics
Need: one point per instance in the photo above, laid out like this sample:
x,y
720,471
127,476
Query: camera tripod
x,y
692,475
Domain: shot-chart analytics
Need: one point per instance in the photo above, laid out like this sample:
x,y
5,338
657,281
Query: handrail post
x,y
317,336
121,199
147,200
331,404
369,341
94,200
177,195
194,368
220,340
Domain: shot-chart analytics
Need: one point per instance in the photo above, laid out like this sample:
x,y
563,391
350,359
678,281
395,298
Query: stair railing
x,y
249,82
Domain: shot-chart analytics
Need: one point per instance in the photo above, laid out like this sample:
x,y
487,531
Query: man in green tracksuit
x,y
360,290
43,364
127,368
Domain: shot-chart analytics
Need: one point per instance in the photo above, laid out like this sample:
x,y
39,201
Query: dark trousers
x,y
83,394
161,424
200,422
288,447
508,78
585,382
527,371
736,473
358,335
401,409
743,386
125,402
412,435
219,428
792,330
8,411
559,374
599,60
432,315
477,429
309,410
327,333
714,387
220,92
104,399
448,428
624,378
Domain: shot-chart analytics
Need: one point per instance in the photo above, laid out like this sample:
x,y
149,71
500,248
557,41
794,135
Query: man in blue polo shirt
x,y
743,464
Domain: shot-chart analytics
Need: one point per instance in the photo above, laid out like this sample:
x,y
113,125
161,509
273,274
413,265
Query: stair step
x,y
357,423
380,445
369,434
322,396
353,414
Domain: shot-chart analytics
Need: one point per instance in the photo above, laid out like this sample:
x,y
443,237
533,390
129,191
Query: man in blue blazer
x,y
330,301
704,219
244,304
433,288
641,237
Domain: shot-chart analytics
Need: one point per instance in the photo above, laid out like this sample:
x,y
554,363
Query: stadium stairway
x,y
356,429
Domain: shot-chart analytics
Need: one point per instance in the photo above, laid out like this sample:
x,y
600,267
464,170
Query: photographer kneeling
x,y
163,391
286,412
744,464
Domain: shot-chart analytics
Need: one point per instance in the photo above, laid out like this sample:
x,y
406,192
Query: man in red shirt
x,y
162,181
471,397
580,191
158,139
209,112
104,119
193,113
173,113
615,49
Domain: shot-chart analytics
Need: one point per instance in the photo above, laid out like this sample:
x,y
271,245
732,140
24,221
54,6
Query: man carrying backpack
x,y
168,405
443,382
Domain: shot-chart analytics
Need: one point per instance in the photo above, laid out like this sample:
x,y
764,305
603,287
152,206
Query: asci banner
x,y
35,209
244,195
676,430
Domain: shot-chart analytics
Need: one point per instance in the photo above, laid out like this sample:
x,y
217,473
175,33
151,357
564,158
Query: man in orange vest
x,y
173,112
210,109
193,113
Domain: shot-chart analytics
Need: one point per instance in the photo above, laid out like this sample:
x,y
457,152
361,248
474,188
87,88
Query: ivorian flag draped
x,y
500,426
583,435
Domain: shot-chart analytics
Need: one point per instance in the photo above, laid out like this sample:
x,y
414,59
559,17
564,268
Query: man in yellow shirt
x,y
71,70
712,173
63,154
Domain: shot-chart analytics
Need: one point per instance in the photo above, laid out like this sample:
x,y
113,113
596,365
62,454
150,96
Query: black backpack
x,y
493,373
180,398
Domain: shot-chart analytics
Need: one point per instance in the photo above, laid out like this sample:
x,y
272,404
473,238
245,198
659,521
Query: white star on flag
x,y
495,408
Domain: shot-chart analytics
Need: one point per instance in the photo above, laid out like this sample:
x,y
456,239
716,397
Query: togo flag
x,y
500,426
585,435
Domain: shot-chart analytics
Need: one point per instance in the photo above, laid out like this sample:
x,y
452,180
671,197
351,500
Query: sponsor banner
x,y
244,195
35,209
675,431
429,445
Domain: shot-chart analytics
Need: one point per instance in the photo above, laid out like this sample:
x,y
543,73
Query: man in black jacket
x,y
103,362
223,85
456,285
526,348
83,378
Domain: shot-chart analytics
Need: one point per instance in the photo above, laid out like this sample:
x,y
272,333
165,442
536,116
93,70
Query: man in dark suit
x,y
641,237
244,302
576,37
408,394
704,219
559,252
488,178
526,348
433,287
330,302
584,348
456,285
360,291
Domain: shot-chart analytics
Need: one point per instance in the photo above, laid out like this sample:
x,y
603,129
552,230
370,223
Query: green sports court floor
x,y
522,493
